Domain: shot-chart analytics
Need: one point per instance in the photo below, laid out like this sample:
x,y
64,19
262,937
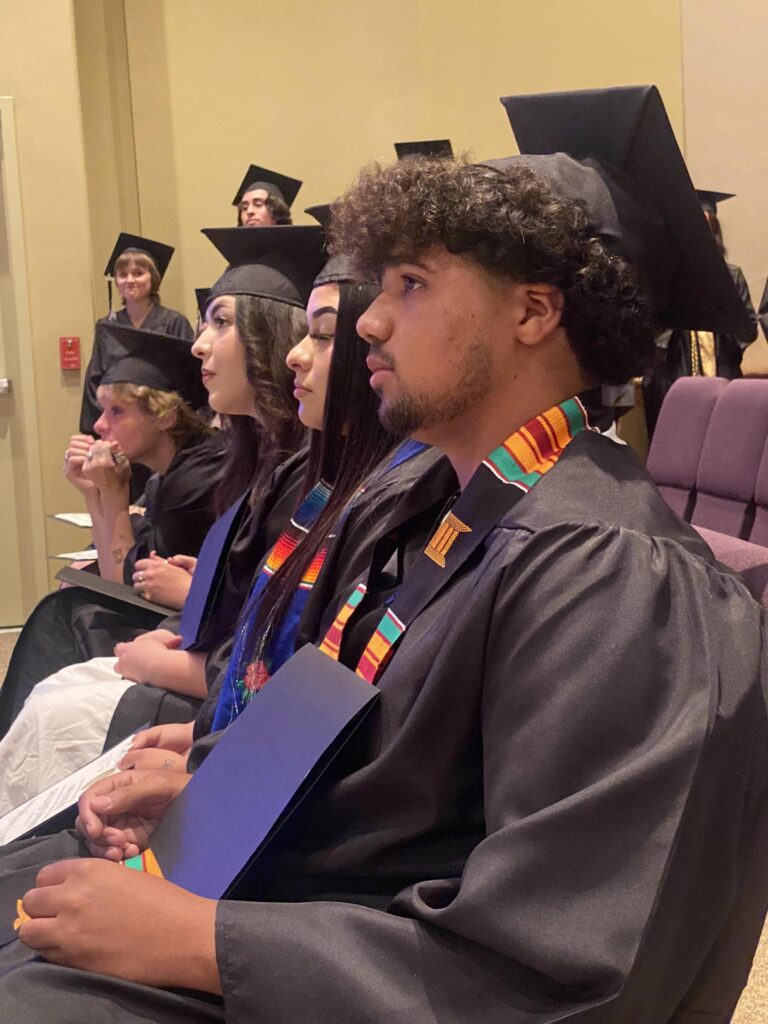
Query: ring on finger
x,y
140,576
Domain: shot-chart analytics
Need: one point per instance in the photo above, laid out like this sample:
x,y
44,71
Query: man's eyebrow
x,y
324,309
411,262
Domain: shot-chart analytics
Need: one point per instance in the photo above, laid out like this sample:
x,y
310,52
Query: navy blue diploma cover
x,y
260,770
207,577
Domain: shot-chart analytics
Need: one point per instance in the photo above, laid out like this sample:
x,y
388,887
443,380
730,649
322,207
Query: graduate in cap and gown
x,y
255,315
148,397
698,353
137,266
552,812
264,198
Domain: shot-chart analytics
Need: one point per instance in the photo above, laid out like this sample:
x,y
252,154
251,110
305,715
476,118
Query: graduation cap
x,y
430,147
278,262
274,183
623,161
158,361
338,268
709,200
158,252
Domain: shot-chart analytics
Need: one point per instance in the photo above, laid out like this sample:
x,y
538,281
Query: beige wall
x,y
144,115
726,84
39,70
318,87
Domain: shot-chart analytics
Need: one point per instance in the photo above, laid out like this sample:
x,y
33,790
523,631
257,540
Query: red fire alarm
x,y
69,353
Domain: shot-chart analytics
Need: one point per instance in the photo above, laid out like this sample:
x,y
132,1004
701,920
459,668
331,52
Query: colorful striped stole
x,y
255,657
520,462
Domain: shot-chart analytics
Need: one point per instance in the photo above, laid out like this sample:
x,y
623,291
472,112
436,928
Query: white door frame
x,y
34,564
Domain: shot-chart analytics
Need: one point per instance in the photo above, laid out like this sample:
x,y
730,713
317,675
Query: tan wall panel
x,y
726,83
110,156
319,88
39,70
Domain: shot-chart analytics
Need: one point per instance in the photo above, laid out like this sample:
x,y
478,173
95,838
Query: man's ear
x,y
541,308
169,420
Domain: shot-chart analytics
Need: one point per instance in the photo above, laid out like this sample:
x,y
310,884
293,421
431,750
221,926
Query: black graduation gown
x,y
74,624
107,350
673,354
262,522
548,816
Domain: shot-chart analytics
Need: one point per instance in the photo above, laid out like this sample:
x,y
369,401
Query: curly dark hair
x,y
512,224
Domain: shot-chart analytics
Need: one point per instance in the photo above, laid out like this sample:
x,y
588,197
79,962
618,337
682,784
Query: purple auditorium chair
x,y
673,459
749,560
759,532
730,457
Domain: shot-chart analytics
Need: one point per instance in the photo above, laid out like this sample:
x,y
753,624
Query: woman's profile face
x,y
310,360
253,209
125,422
222,354
134,282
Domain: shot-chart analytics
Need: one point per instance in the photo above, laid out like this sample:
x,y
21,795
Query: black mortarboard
x,y
275,184
156,360
278,263
202,298
338,268
158,252
637,189
709,200
430,147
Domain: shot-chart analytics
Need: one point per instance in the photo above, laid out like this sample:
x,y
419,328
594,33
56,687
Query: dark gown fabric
x,y
673,355
107,350
550,816
74,624
762,313
262,523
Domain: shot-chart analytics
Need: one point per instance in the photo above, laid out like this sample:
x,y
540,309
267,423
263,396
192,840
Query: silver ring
x,y
66,456
90,455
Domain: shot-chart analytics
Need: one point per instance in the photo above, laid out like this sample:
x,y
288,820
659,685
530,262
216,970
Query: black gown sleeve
x,y
615,732
180,505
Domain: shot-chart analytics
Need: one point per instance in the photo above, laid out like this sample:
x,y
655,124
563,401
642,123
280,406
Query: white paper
x,y
82,519
60,795
76,556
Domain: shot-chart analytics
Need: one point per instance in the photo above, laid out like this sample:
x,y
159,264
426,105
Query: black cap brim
x,y
278,263
159,252
628,129
440,148
709,199
281,185
158,361
202,298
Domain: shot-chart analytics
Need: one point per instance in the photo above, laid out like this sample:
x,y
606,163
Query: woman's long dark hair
x,y
255,447
351,444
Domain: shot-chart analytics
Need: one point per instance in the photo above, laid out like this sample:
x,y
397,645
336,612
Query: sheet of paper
x,y
60,795
82,519
76,556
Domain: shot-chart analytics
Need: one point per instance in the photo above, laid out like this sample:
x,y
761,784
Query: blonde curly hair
x,y
158,404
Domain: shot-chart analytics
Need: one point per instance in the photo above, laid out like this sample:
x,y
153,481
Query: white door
x,y
22,548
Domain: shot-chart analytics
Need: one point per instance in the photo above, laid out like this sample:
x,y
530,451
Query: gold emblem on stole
x,y
444,538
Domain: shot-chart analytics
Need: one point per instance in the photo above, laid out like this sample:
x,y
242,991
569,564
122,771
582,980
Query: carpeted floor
x,y
753,1007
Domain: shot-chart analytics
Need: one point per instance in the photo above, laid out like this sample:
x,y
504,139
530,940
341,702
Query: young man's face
x,y
437,335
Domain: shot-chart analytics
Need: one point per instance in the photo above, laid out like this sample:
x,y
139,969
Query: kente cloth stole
x,y
255,658
503,478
